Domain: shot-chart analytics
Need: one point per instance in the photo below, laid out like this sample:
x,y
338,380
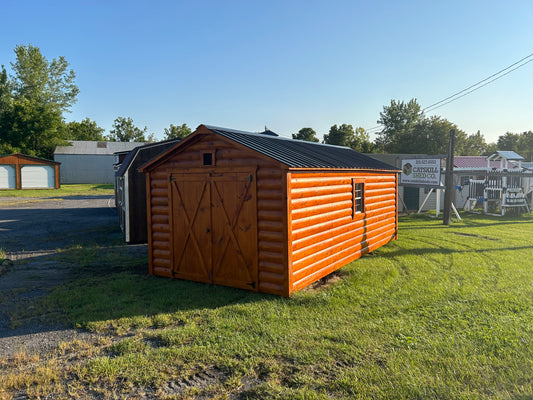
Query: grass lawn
x,y
88,189
444,312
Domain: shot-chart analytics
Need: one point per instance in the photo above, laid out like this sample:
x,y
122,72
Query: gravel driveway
x,y
31,232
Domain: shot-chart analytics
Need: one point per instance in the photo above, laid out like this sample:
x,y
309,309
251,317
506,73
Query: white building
x,y
90,161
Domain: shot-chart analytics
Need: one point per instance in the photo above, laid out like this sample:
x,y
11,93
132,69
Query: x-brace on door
x,y
214,228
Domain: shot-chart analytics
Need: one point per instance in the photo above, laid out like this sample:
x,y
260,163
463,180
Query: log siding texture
x,y
326,234
302,220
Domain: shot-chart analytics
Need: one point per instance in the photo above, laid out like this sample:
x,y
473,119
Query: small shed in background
x,y
130,190
20,171
264,213
90,161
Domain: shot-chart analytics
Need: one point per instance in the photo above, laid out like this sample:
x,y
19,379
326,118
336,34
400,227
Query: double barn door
x,y
214,228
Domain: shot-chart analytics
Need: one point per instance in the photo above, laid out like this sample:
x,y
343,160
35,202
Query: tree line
x,y
38,93
34,100
406,130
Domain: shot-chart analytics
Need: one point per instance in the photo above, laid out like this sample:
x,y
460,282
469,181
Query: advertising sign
x,y
421,171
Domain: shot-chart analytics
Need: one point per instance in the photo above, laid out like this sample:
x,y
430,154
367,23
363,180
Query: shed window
x,y
358,200
208,158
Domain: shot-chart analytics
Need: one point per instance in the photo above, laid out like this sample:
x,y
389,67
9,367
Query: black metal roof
x,y
302,154
151,149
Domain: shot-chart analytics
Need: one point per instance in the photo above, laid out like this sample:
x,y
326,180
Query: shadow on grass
x,y
443,250
468,221
104,186
118,287
93,295
32,229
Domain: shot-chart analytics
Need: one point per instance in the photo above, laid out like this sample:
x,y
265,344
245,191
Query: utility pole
x,y
450,187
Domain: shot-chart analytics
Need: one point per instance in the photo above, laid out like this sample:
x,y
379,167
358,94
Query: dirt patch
x,y
325,282
34,234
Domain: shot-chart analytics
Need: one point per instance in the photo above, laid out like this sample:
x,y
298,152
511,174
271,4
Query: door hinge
x,y
171,178
250,178
252,284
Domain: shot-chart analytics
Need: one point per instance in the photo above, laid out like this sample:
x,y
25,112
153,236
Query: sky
x,y
283,64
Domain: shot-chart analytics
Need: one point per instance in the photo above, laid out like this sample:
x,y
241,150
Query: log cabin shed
x,y
264,213
21,171
130,190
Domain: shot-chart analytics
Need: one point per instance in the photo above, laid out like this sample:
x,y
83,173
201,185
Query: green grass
x,y
444,312
88,189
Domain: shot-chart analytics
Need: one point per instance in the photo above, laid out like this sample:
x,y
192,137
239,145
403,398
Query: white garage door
x,y
7,177
37,176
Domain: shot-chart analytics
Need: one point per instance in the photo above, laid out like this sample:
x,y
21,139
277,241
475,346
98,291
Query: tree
x,y
526,145
5,111
306,134
491,149
83,130
125,131
509,141
430,136
33,101
5,92
475,145
43,82
177,132
339,135
397,119
521,143
360,141
345,135
34,128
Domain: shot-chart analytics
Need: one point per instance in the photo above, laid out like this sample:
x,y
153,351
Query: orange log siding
x,y
304,222
325,233
272,270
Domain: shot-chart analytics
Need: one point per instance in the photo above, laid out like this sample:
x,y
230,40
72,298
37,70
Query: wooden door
x,y
234,218
214,228
191,224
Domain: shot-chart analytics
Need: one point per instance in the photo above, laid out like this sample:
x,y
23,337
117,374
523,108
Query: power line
x,y
481,81
470,89
374,128
456,97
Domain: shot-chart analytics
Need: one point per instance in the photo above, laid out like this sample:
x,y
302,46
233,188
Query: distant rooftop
x,y
507,155
93,147
132,155
477,162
